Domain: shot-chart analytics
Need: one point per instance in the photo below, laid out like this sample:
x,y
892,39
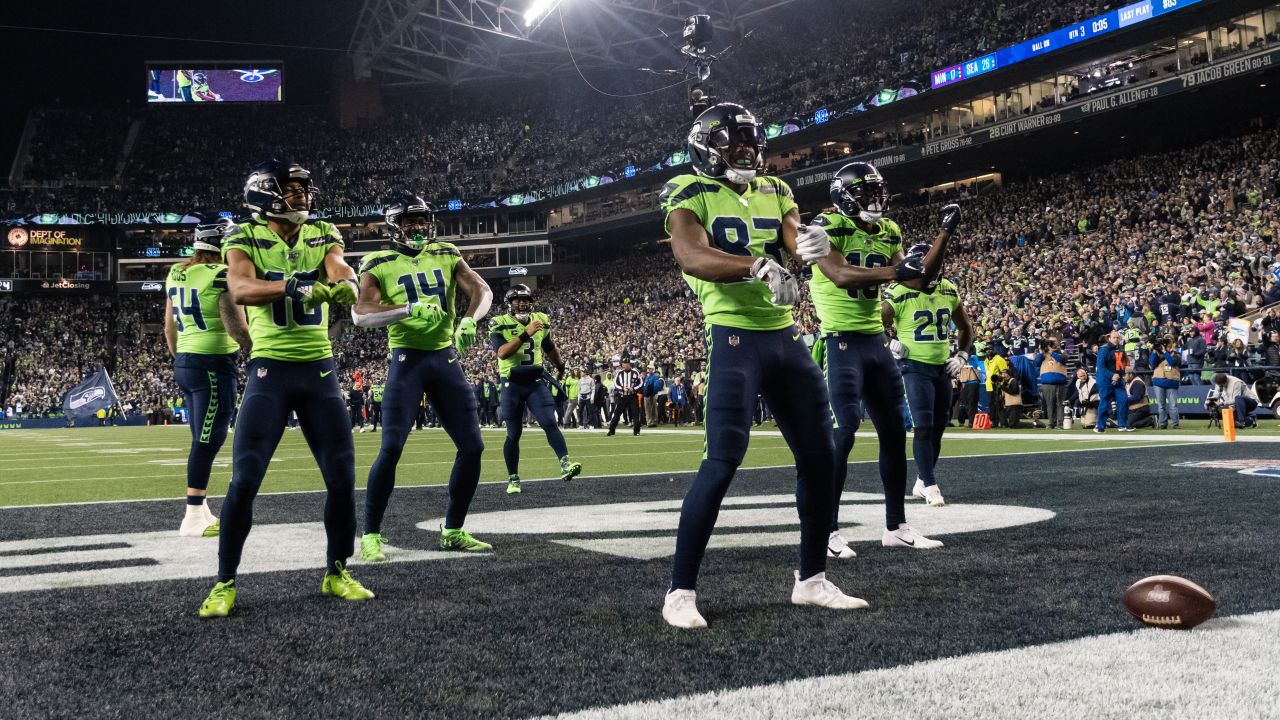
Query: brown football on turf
x,y
1168,601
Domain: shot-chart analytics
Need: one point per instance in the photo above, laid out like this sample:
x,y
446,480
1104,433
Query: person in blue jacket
x,y
1110,379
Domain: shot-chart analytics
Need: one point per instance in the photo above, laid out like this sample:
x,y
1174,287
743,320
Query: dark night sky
x,y
55,67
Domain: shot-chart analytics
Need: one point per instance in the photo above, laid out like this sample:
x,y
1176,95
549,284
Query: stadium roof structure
x,y
455,42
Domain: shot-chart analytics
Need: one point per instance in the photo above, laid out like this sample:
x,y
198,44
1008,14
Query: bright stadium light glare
x,y
538,9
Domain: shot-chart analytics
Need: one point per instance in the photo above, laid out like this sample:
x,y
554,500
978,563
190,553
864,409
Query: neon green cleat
x,y
344,586
460,539
221,600
213,530
569,469
371,547
513,485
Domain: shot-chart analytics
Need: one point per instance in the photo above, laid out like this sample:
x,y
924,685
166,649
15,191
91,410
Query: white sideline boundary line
x,y
668,473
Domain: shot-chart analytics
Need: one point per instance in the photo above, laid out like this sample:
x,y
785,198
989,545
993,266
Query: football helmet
x,y
264,191
517,293
400,214
919,250
727,142
210,232
859,190
200,78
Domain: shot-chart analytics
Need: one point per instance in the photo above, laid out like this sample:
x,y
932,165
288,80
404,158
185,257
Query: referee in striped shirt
x,y
626,383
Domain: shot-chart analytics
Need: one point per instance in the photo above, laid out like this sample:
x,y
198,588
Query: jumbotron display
x,y
204,82
1060,38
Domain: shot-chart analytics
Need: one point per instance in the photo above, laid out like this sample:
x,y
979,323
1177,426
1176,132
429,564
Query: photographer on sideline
x,y
1228,391
1166,378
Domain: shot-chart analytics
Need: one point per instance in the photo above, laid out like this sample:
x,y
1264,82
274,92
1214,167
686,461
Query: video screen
x,y
246,82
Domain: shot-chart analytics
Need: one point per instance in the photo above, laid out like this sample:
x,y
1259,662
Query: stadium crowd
x,y
479,145
1170,258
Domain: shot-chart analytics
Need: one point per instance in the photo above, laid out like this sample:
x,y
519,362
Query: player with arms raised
x,y
285,268
859,366
203,330
921,314
410,289
520,338
728,227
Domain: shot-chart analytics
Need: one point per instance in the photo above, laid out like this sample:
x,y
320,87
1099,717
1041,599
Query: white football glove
x,y
958,362
812,243
900,351
785,289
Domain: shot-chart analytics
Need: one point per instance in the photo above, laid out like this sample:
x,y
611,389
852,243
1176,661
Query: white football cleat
x,y
929,493
820,591
905,536
681,610
838,547
195,525
208,514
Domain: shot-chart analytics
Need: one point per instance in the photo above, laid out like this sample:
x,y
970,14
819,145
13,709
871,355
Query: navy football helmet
x,y
859,190
402,212
516,293
919,250
264,191
200,78
210,232
727,142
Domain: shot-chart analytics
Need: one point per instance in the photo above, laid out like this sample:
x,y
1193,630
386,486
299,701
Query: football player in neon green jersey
x,y
286,268
520,338
411,290
203,330
922,315
728,226
858,366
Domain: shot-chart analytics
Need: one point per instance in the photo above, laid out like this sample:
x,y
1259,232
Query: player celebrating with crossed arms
x,y
859,366
411,290
728,228
285,268
921,313
203,330
520,338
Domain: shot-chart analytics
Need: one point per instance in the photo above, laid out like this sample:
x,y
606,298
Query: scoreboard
x,y
1114,20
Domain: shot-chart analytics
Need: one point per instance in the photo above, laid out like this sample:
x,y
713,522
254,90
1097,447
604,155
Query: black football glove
x,y
950,217
911,268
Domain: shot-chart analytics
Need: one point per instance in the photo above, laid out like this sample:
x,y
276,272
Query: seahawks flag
x,y
93,394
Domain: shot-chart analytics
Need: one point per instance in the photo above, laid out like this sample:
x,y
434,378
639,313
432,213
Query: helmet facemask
x,y
415,230
739,150
293,206
869,196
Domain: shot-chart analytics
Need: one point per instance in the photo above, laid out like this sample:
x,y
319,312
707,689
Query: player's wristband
x,y
524,336
354,285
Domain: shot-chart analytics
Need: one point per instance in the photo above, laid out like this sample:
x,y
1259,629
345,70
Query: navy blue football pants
x,y
437,374
929,398
740,365
275,388
536,396
861,370
208,384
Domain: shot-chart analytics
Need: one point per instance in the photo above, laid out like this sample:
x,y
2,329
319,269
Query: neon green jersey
x,y
376,392
423,278
505,328
923,320
853,310
194,292
285,330
747,224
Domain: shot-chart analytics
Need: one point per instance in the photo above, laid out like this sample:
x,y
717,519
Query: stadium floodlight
x,y
538,9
